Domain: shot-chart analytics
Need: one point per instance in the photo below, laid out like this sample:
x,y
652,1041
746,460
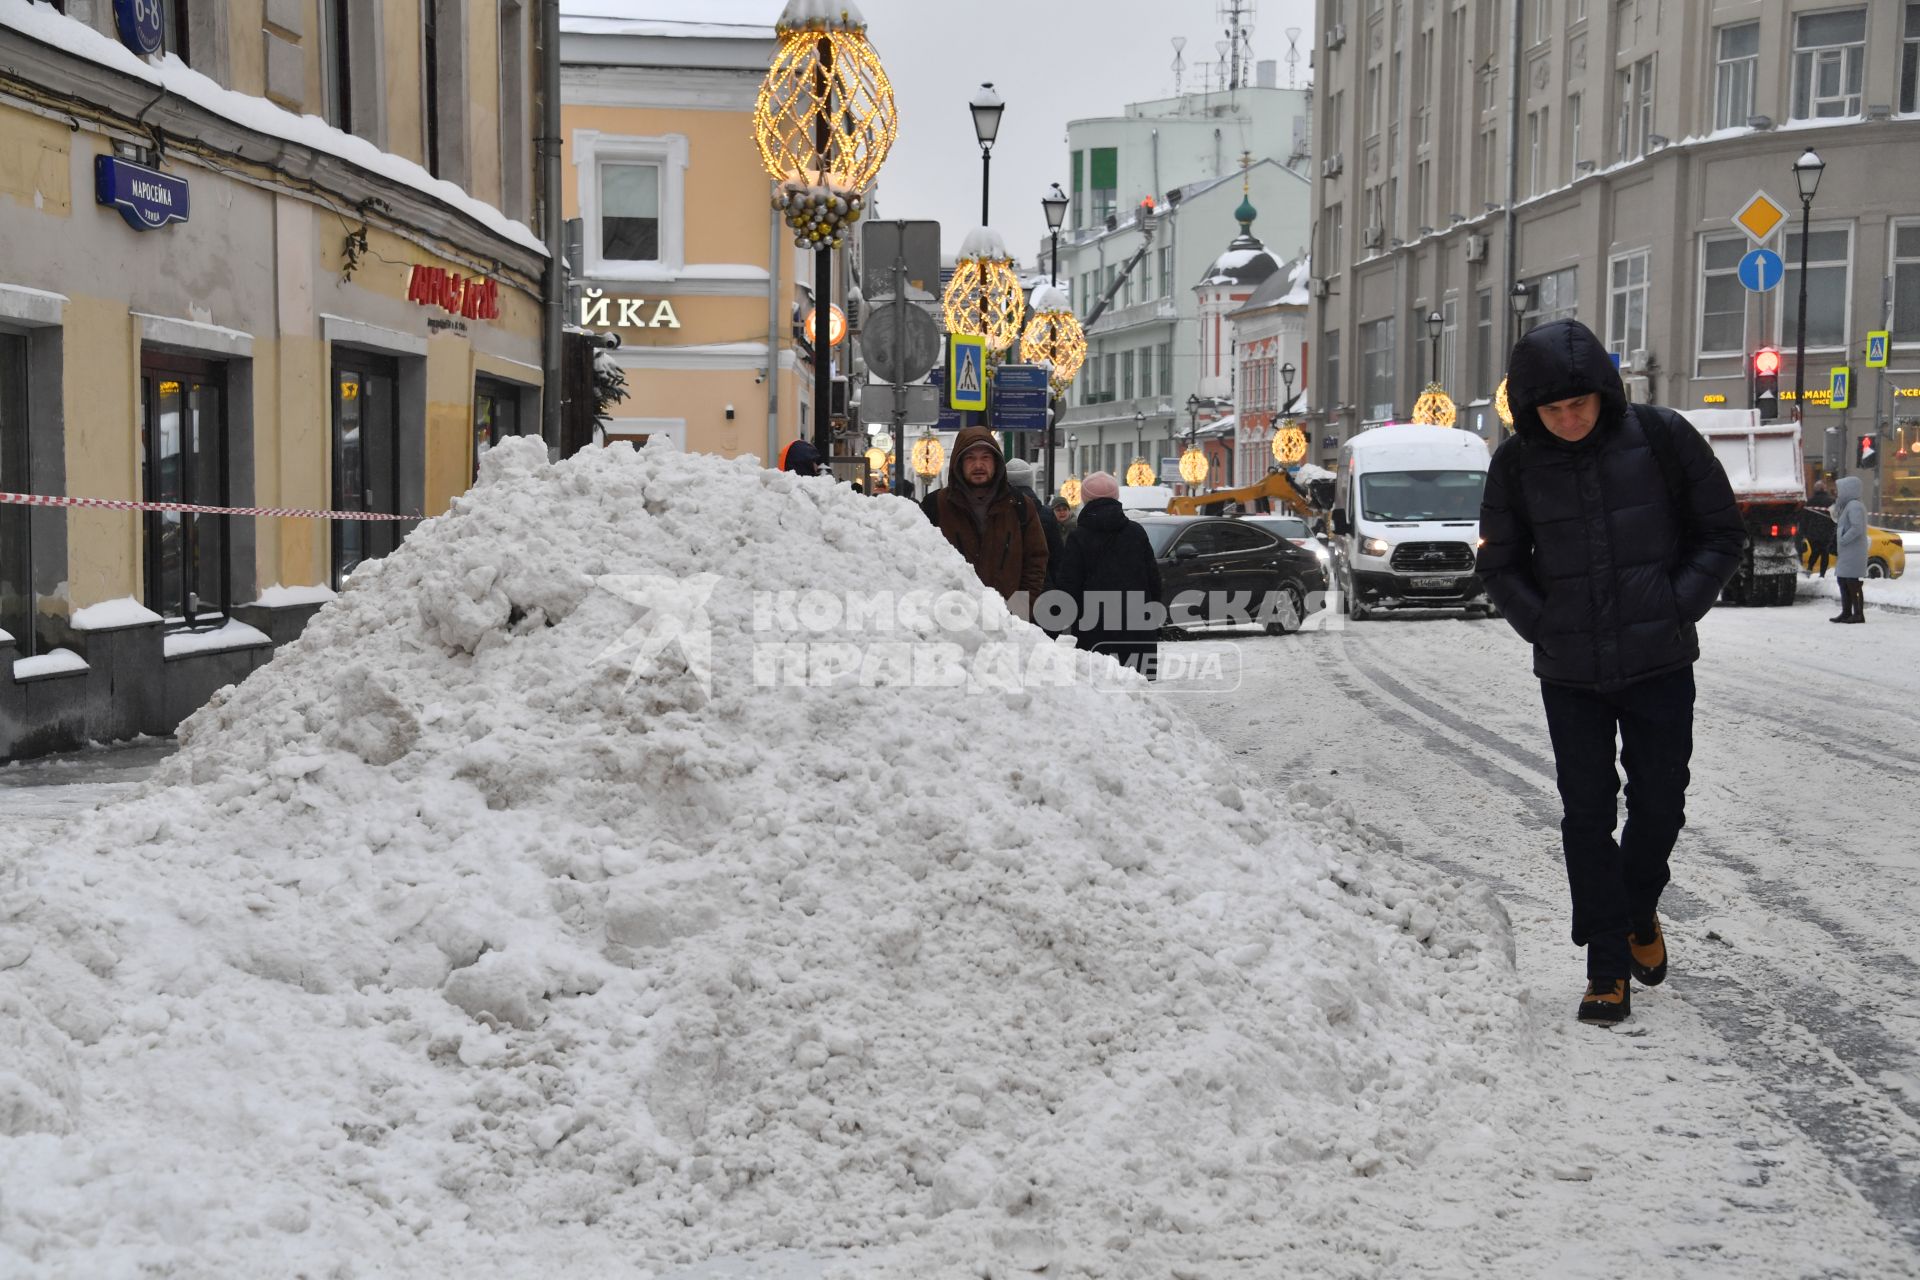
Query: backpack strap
x,y
1660,440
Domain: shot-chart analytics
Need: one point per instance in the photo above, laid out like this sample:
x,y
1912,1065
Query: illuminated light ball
x,y
876,459
1193,466
1070,490
1501,405
1139,474
1055,338
825,74
928,457
1434,408
1289,445
985,299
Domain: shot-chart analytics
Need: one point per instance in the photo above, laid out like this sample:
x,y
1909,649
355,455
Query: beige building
x,y
1604,180
680,251
260,253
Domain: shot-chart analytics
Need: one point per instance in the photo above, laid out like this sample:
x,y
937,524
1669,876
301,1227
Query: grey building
x,y
1601,182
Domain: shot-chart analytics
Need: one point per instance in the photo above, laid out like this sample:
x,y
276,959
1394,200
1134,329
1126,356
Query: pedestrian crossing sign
x,y
1839,384
967,372
1877,349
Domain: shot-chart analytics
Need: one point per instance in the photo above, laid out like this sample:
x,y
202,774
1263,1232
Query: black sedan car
x,y
1218,570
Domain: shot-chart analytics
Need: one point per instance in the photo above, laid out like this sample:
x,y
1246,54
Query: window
x,y
1633,91
1146,373
443,87
1576,11
16,523
1077,217
1829,55
1492,167
1126,375
338,43
1450,343
1536,151
1624,25
1103,168
630,212
515,172
1336,240
1723,300
1737,54
430,81
1336,112
1146,279
1424,91
1906,282
632,200
1627,297
1376,369
1490,88
1573,134
1371,103
496,415
175,36
1910,62
183,439
1330,369
1555,296
1539,20
1829,254
1489,358
1166,368
1166,271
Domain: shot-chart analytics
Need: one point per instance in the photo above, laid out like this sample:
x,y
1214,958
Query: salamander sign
x,y
146,198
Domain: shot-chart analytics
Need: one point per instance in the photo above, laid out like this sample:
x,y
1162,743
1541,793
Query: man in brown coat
x,y
995,527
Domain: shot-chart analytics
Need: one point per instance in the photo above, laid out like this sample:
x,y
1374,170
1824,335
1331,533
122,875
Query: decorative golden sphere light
x,y
1055,338
985,298
1434,408
1139,474
876,460
1501,405
824,121
1289,444
928,457
1193,465
1070,490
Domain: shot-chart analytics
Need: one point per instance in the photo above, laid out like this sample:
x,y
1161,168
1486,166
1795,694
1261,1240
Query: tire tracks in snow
x,y
1821,1055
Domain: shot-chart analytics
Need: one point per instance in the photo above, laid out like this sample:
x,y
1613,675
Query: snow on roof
x,y
984,242
1298,282
77,38
517,913
1307,472
834,15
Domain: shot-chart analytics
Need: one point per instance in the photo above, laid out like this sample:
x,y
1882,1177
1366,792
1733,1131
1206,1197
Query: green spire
x,y
1245,214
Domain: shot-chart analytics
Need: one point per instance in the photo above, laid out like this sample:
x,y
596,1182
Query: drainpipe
x,y
1510,321
774,282
555,229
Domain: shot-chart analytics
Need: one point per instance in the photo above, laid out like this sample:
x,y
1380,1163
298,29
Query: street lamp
x,y
1434,321
1806,172
1286,376
1054,204
1520,298
987,108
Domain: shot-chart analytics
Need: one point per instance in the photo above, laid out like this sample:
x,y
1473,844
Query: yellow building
x,y
259,253
680,252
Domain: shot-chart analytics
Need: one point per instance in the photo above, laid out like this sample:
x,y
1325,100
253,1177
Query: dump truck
x,y
1766,467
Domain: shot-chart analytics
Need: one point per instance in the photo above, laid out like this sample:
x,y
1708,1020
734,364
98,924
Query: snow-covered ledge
x,y
234,635
113,615
61,662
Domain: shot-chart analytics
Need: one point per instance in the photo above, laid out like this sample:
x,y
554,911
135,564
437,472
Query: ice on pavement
x,y
448,944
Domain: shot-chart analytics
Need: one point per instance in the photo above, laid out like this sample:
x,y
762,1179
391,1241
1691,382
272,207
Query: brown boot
x,y
1647,947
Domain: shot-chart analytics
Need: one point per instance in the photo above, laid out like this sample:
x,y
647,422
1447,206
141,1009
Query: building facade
x,y
1193,159
1271,356
1509,163
682,254
261,253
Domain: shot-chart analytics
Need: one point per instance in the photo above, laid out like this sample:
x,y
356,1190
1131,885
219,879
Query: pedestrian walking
x,y
801,458
1609,531
1109,573
994,526
1063,515
1850,538
1020,476
1817,525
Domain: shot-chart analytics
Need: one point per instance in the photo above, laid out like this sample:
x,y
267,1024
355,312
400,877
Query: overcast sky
x,y
1053,61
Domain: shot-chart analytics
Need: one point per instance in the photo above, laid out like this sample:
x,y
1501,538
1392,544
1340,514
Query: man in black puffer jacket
x,y
1608,531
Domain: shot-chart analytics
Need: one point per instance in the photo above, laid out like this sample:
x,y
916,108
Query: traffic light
x,y
1869,452
1766,382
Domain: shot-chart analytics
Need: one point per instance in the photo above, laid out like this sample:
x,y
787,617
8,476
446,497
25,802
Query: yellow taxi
x,y
1886,553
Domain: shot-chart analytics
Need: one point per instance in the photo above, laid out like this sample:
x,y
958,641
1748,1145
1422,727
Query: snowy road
x,y
1760,1114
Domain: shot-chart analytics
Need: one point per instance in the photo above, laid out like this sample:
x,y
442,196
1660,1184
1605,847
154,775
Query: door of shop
x,y
183,428
366,457
16,551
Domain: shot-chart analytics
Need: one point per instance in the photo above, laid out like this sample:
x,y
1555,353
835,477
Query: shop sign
x,y
475,297
146,198
141,24
597,310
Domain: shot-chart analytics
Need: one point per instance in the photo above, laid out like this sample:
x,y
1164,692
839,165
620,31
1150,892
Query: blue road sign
x,y
949,416
1761,270
1017,416
1019,377
967,365
142,25
146,198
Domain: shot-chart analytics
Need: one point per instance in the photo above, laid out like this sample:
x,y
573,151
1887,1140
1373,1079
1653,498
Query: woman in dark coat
x,y
1109,570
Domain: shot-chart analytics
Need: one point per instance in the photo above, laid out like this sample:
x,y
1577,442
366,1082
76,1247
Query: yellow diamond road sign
x,y
1759,217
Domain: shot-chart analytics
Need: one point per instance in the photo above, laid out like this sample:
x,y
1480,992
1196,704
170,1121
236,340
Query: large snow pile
x,y
479,933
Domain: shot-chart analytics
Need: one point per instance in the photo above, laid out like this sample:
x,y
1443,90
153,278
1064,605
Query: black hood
x,y
1558,361
1103,515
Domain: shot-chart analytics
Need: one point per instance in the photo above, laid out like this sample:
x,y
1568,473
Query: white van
x,y
1406,519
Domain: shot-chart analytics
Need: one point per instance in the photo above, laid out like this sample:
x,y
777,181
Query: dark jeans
x,y
1617,885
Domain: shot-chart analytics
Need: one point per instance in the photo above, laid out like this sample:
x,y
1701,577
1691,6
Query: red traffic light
x,y
1766,361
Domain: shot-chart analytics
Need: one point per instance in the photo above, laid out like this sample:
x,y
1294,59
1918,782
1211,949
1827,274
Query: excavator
x,y
1274,486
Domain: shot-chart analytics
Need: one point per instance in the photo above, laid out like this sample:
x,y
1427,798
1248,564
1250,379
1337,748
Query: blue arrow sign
x,y
1761,270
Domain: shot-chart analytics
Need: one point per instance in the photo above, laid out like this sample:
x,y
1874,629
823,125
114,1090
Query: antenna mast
x,y
1179,63
1237,18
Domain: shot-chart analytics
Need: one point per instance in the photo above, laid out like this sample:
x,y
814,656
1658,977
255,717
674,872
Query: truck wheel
x,y
1877,568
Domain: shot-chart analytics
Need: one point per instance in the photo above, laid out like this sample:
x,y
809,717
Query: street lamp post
x,y
1806,172
1054,204
1519,300
1434,321
987,108
1286,403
